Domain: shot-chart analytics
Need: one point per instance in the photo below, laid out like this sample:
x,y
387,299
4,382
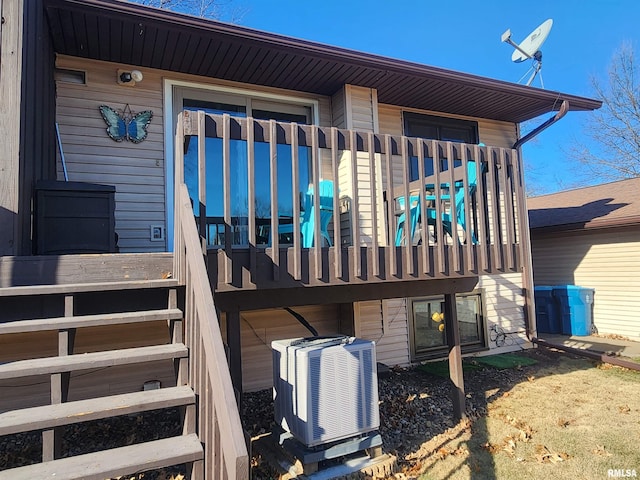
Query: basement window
x,y
427,326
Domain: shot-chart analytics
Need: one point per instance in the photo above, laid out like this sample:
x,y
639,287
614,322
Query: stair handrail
x,y
218,422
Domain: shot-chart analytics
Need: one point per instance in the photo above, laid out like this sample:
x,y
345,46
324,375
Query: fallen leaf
x,y
491,448
544,455
461,451
526,434
444,452
602,451
624,408
510,446
531,378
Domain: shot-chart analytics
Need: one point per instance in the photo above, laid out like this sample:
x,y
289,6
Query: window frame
x,y
172,108
441,351
438,122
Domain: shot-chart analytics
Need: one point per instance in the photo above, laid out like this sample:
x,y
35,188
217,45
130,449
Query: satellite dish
x,y
529,48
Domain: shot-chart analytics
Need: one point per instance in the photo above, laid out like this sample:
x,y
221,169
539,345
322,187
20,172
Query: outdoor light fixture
x,y
129,77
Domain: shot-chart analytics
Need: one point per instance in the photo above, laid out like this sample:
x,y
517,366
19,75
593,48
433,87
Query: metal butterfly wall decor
x,y
125,125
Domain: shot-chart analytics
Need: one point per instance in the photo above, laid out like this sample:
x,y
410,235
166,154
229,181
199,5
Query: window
x,y
437,128
428,336
440,128
244,106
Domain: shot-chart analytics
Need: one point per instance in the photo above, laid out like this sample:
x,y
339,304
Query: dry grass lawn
x,y
573,419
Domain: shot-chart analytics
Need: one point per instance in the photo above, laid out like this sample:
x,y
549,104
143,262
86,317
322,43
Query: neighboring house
x,y
591,237
383,141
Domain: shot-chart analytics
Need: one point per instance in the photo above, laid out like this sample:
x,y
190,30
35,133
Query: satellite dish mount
x,y
529,49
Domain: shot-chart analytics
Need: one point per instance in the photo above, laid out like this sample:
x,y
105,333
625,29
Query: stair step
x,y
38,325
86,287
50,416
118,461
69,363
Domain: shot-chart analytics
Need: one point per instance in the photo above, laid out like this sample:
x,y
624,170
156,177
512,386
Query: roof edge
x,y
591,225
365,59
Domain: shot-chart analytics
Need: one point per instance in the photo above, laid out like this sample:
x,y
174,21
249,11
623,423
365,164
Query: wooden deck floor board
x,y
68,363
43,324
50,416
115,462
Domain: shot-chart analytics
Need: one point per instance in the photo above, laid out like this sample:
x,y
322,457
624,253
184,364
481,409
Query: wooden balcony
x,y
374,176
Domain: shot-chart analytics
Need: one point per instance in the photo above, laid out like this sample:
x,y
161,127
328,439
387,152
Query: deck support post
x,y
455,356
235,356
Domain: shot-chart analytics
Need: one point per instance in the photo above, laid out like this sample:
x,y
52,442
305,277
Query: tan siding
x,y
136,170
491,132
607,260
504,309
33,391
362,116
260,327
338,112
385,322
362,101
390,119
11,71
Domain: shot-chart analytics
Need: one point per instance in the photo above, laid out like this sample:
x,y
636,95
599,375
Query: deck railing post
x,y
207,373
478,227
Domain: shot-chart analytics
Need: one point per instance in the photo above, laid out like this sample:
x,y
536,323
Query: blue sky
x,y
465,36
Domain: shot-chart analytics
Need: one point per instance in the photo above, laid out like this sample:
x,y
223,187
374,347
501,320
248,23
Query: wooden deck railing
x,y
217,422
372,175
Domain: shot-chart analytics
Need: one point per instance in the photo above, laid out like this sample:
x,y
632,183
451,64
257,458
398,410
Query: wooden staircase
x,y
211,440
49,419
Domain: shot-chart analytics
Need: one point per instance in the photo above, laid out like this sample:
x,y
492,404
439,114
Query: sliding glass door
x,y
244,106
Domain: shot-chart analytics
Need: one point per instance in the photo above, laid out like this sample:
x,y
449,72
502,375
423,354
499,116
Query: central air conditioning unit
x,y
325,389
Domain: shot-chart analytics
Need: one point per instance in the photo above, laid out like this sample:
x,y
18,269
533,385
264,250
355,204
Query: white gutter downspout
x,y
527,274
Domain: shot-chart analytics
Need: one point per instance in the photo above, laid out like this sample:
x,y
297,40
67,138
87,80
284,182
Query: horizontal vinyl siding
x,y
504,310
339,109
385,322
136,170
35,391
491,132
360,113
260,327
606,260
362,102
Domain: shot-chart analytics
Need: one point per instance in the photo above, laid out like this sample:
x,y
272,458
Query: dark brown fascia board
x,y
576,103
633,221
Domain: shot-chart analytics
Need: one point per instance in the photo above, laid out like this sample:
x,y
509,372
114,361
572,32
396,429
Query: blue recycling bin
x,y
548,318
576,304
